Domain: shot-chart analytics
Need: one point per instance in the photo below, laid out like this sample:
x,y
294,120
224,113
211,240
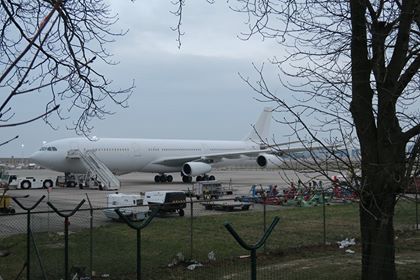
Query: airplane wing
x,y
216,157
209,158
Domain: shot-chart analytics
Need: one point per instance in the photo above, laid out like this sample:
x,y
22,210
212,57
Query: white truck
x,y
167,201
130,205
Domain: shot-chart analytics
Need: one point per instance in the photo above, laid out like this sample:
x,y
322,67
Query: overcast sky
x,y
190,93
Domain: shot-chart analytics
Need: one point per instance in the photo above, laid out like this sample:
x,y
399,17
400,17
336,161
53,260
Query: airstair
x,y
96,168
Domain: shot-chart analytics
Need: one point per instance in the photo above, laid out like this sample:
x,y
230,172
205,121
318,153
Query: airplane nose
x,y
35,157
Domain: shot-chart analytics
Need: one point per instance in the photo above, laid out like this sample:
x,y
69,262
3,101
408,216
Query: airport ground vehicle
x,y
71,180
168,201
12,181
130,205
208,190
262,194
226,205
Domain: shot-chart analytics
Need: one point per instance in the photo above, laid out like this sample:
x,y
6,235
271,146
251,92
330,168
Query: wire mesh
x,y
197,246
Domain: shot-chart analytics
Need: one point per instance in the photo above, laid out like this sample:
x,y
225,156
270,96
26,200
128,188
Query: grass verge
x,y
295,250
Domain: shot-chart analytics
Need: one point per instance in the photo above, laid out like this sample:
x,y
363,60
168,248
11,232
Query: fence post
x,y
252,248
66,233
28,232
90,237
417,212
265,218
138,228
191,226
323,215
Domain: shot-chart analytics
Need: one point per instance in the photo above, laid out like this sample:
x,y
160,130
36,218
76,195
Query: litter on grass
x,y
346,243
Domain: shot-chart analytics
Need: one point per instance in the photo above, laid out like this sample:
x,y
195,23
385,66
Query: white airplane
x,y
189,157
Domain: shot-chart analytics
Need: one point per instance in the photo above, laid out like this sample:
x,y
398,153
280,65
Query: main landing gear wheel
x,y
163,178
205,178
186,179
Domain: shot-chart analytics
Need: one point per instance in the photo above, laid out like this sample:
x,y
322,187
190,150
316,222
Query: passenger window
x,y
54,149
49,149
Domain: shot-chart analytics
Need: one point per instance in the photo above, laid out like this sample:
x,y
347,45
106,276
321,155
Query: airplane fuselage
x,y
125,155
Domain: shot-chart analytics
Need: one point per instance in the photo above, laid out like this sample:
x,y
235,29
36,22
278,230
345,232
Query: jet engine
x,y
268,160
195,168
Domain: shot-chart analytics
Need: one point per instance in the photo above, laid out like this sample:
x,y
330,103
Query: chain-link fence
x,y
197,245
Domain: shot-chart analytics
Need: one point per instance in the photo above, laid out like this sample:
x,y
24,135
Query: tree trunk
x,y
377,233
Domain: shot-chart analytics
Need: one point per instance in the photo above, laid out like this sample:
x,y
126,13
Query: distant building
x,y
15,163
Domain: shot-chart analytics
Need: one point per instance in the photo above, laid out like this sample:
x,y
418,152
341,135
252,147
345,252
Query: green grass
x,y
293,251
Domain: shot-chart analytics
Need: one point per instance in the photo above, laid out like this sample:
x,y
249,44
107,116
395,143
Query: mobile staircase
x,y
96,168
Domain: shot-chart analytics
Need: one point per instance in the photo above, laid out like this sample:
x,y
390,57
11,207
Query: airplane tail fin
x,y
262,127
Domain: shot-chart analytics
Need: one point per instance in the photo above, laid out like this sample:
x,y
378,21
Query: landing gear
x,y
181,212
186,179
205,178
163,178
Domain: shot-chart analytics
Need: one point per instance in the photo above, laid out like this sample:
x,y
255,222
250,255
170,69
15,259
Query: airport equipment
x,y
209,190
262,194
130,205
226,205
96,168
71,180
5,201
12,181
167,201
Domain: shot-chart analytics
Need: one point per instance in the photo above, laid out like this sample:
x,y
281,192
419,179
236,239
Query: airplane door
x,y
205,148
138,155
137,150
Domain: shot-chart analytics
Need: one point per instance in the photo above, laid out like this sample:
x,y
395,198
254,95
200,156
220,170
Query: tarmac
x,y
68,198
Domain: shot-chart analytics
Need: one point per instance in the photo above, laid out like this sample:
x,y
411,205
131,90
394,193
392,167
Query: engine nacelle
x,y
268,160
195,168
